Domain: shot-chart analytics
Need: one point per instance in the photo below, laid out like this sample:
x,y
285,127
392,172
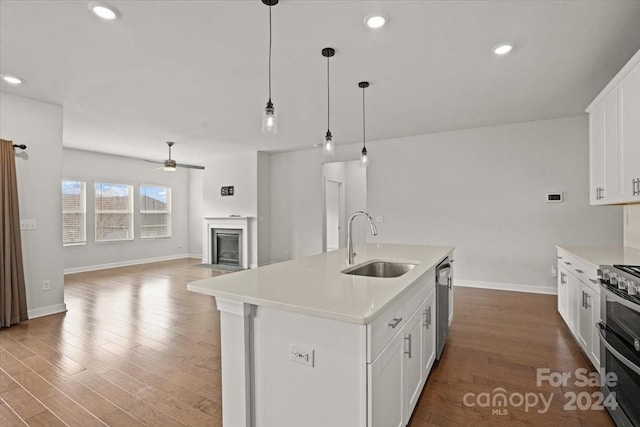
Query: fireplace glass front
x,y
227,247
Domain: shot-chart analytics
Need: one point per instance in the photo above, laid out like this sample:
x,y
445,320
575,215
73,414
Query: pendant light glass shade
x,y
364,156
329,145
269,118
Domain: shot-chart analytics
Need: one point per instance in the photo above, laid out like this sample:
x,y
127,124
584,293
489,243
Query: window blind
x,y
155,211
114,212
74,227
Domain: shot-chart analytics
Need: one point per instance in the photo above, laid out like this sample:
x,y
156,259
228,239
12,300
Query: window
x,y
114,212
155,212
74,226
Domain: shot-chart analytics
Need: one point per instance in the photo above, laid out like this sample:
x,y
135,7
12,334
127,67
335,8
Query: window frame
x,y
97,212
168,212
83,211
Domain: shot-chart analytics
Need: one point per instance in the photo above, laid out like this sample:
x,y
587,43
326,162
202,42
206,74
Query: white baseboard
x,y
507,287
47,311
123,263
198,256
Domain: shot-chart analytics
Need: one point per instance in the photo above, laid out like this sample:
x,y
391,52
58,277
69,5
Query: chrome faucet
x,y
374,232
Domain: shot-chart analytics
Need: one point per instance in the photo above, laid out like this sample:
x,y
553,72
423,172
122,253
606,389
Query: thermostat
x,y
554,198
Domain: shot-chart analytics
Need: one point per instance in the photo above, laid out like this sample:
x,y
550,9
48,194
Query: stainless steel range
x,y
620,341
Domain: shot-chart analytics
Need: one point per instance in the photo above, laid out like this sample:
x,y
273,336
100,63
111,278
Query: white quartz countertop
x,y
602,255
314,285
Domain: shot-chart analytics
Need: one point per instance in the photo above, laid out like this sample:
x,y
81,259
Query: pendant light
x,y
364,157
269,122
329,144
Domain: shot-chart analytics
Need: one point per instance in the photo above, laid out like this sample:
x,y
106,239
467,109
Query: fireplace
x,y
225,241
226,246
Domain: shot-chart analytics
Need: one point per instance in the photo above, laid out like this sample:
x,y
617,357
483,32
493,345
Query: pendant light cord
x,y
269,52
328,98
364,138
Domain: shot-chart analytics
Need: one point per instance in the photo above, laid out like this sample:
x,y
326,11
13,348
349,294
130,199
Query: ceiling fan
x,y
170,165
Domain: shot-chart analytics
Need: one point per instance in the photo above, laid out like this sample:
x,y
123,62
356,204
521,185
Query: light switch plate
x,y
301,355
27,224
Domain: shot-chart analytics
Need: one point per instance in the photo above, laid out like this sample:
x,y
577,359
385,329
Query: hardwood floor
x,y
136,348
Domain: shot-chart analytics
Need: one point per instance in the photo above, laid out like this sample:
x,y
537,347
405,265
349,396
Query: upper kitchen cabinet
x,y
630,135
614,139
604,151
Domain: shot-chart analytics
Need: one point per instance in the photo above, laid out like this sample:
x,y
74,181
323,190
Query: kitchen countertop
x,y
601,255
315,286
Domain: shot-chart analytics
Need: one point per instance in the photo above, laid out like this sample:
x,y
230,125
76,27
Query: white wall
x,y
196,181
356,198
481,190
296,203
93,167
632,226
241,171
39,170
264,208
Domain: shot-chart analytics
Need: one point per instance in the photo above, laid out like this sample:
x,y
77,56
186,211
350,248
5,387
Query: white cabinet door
x,y
630,135
595,336
412,367
583,330
429,340
386,394
604,151
596,154
563,294
573,302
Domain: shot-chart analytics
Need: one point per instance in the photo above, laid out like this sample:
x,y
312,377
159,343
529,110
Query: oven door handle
x,y
629,364
613,297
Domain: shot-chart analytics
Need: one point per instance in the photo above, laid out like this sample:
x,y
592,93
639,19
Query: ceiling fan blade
x,y
183,165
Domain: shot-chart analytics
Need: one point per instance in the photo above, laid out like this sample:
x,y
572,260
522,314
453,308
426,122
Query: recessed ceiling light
x,y
502,49
104,11
375,21
12,80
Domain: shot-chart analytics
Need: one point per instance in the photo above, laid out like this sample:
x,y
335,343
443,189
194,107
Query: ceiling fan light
x,y
170,165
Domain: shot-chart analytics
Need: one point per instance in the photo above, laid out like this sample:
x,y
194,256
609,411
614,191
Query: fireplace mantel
x,y
228,222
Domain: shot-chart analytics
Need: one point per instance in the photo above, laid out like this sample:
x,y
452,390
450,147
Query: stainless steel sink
x,y
377,268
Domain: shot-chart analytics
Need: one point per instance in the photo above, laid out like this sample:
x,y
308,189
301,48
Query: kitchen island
x,y
304,343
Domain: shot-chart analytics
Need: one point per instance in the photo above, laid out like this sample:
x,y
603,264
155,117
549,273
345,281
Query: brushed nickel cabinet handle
x,y
395,322
567,262
408,338
579,271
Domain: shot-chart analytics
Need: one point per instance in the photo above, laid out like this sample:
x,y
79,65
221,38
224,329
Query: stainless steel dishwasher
x,y
443,288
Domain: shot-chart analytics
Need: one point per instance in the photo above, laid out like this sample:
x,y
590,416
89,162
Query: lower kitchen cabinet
x,y
412,364
429,338
385,379
399,373
579,302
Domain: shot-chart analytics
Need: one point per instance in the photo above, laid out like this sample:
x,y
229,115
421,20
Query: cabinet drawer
x,y
585,271
386,326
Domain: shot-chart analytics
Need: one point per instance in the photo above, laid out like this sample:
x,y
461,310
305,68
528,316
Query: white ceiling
x,y
195,72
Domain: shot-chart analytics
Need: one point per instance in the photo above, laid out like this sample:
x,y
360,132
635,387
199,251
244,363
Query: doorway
x,y
333,204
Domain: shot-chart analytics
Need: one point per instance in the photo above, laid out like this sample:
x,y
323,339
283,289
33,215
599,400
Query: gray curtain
x,y
13,298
